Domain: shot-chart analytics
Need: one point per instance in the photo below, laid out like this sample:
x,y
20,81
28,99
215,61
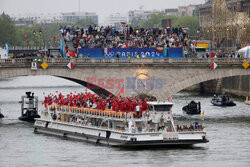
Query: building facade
x,y
190,10
226,23
171,12
137,16
116,19
73,17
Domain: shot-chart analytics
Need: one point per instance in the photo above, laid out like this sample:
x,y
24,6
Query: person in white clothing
x,y
137,110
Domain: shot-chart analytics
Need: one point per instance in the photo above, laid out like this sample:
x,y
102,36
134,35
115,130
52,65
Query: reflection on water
x,y
228,131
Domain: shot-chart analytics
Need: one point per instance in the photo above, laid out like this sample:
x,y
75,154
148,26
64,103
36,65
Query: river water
x,y
228,130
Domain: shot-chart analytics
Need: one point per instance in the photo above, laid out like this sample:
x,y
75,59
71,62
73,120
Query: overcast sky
x,y
102,7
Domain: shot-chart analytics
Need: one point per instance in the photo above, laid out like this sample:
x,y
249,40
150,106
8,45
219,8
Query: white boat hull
x,y
118,138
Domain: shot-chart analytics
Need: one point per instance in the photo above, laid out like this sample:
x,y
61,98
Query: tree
x,y
7,30
190,22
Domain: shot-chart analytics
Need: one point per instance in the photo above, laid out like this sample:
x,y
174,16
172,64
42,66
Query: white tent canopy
x,y
3,54
245,51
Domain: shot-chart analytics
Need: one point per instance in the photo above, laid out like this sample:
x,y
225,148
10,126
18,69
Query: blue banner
x,y
124,52
62,51
90,52
173,52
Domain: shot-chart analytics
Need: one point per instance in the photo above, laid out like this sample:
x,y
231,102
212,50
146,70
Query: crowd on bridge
x,y
125,37
89,100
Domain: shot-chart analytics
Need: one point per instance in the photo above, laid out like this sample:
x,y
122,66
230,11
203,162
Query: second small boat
x,y
223,100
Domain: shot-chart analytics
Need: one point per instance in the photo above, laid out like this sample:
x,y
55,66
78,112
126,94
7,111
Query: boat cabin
x,y
29,107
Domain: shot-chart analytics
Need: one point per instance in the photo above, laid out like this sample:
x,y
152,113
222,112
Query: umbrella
x,y
81,40
69,26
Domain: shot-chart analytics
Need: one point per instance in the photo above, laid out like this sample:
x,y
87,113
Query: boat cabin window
x,y
162,107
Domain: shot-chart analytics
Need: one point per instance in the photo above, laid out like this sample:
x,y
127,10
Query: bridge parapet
x,y
125,61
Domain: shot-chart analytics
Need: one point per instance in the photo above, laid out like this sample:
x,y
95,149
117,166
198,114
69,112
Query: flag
x,y
70,65
118,94
247,53
61,49
72,54
170,99
122,89
213,65
209,49
106,50
159,49
7,48
202,115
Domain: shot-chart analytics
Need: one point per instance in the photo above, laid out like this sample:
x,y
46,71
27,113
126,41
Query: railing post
x,y
53,60
13,61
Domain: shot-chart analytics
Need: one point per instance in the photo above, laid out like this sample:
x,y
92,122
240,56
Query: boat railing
x,y
92,112
185,128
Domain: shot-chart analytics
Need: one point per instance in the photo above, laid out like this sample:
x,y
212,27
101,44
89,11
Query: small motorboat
x,y
1,115
223,100
29,108
192,108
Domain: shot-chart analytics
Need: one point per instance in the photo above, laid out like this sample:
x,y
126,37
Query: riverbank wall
x,y
236,85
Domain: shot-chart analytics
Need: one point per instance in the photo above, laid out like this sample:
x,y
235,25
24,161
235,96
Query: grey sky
x,y
102,7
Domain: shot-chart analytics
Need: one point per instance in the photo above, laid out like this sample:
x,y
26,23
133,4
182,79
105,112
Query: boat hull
x,y
114,138
28,118
223,104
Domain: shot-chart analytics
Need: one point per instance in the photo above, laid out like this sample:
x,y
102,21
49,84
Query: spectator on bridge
x,y
129,37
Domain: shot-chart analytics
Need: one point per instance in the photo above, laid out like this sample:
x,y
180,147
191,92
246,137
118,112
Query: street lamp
x,y
227,36
198,33
34,34
245,29
40,33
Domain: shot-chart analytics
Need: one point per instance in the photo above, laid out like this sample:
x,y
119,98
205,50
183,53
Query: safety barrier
x,y
92,111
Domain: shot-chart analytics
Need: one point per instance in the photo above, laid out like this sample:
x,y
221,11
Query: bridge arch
x,y
175,75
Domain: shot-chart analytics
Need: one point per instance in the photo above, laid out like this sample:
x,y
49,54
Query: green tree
x,y
7,30
190,22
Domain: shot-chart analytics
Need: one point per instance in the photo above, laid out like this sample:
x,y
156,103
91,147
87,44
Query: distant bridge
x,y
157,77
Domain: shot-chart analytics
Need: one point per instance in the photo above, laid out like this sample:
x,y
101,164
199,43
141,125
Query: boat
x,y
29,107
153,128
223,100
1,115
192,108
247,101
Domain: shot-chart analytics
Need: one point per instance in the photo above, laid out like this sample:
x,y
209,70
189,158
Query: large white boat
x,y
154,127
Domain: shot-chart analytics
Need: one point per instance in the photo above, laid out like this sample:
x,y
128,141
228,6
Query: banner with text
x,y
124,52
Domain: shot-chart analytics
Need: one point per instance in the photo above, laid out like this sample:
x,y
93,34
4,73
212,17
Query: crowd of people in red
x,y
89,100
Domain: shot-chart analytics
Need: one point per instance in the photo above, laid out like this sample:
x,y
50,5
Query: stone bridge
x,y
157,77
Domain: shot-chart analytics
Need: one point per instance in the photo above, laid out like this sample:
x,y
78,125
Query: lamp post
x,y
214,36
198,33
40,34
34,34
245,29
227,36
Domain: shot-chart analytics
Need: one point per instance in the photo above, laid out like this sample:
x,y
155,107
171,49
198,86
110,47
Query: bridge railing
x,y
58,61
